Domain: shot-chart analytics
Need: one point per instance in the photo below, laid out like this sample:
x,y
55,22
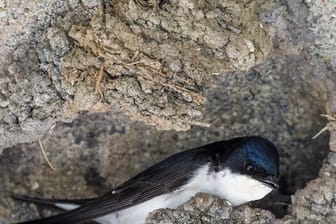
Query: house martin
x,y
238,170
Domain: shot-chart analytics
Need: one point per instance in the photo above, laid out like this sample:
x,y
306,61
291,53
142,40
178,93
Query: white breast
x,y
235,188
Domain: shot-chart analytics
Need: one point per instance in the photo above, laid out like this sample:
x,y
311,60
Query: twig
x,y
331,118
199,123
99,79
45,155
321,131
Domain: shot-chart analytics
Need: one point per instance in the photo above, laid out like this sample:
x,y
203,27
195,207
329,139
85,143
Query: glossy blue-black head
x,y
255,157
263,153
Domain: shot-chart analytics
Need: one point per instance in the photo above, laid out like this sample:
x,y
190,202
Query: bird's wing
x,y
164,177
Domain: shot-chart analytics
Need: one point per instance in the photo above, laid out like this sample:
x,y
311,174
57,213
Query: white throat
x,y
233,187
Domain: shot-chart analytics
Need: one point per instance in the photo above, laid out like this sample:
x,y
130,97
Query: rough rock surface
x,y
154,70
199,209
156,62
316,203
33,37
203,208
281,96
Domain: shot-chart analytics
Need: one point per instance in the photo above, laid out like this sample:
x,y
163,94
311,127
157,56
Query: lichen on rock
x,y
204,208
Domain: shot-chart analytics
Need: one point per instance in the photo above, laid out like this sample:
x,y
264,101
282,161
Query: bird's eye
x,y
250,167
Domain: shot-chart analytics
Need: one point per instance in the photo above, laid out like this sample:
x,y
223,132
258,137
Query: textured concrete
x,y
34,38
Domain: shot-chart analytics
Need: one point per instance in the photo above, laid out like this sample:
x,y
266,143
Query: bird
x,y
238,170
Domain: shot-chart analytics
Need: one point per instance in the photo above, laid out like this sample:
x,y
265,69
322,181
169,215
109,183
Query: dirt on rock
x,y
154,63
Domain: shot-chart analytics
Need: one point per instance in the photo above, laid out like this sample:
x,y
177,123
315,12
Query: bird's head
x,y
250,170
259,159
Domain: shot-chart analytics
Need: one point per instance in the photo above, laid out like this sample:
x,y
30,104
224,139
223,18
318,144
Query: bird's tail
x,y
63,204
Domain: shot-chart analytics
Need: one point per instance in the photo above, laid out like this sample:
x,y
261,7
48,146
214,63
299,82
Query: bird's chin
x,y
270,182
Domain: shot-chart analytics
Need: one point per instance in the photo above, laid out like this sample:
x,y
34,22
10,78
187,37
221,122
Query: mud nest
x,y
155,63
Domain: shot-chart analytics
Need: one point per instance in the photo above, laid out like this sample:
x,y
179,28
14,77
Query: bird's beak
x,y
271,181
